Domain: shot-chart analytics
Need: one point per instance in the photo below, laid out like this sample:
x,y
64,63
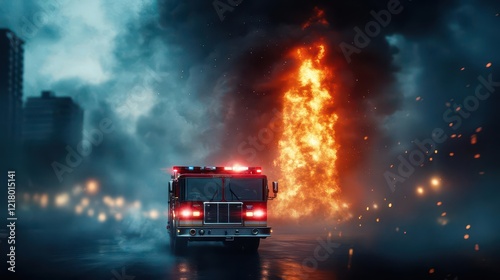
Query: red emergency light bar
x,y
217,169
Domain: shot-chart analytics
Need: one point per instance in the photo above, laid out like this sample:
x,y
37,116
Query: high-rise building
x,y
51,120
11,87
51,125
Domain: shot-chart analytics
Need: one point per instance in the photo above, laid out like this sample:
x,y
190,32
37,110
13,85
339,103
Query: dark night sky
x,y
183,86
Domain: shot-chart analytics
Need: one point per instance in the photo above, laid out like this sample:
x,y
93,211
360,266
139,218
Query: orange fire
x,y
307,148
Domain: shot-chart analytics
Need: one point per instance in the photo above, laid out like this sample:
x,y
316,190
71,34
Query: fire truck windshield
x,y
244,189
203,189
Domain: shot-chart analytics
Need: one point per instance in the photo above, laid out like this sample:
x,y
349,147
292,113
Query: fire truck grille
x,y
223,212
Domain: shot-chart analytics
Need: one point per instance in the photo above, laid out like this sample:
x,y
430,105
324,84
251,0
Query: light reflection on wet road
x,y
279,257
294,256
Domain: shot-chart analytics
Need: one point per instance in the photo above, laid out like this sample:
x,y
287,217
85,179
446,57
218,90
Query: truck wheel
x,y
251,245
178,245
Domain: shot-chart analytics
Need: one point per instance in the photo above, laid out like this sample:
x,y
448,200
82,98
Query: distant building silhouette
x,y
11,88
51,124
51,120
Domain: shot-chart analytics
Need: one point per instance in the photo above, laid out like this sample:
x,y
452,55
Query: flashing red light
x,y
179,170
186,213
256,213
240,168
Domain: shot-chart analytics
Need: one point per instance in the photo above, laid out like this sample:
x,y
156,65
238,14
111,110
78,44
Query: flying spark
x,y
420,190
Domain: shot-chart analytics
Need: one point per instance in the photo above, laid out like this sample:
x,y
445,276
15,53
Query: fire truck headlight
x,y
192,232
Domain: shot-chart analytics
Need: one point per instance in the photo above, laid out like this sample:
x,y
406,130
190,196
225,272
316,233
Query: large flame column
x,y
307,148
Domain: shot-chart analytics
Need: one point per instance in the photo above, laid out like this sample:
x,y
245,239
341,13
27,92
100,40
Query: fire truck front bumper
x,y
217,233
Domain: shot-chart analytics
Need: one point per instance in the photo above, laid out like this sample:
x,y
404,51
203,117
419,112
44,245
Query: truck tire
x,y
245,245
251,245
178,246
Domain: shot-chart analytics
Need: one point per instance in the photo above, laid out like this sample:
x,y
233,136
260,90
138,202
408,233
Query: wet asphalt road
x,y
51,254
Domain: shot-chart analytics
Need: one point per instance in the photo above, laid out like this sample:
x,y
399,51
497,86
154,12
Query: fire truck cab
x,y
226,204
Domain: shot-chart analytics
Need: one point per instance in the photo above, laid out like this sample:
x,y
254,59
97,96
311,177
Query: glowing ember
x,y
442,221
420,191
477,156
488,65
317,18
351,253
435,182
308,148
467,227
476,247
473,139
466,236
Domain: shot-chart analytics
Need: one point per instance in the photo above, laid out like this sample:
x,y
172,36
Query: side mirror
x,y
170,187
275,187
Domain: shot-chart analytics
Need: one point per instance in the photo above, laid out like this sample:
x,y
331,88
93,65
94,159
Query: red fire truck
x,y
226,204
